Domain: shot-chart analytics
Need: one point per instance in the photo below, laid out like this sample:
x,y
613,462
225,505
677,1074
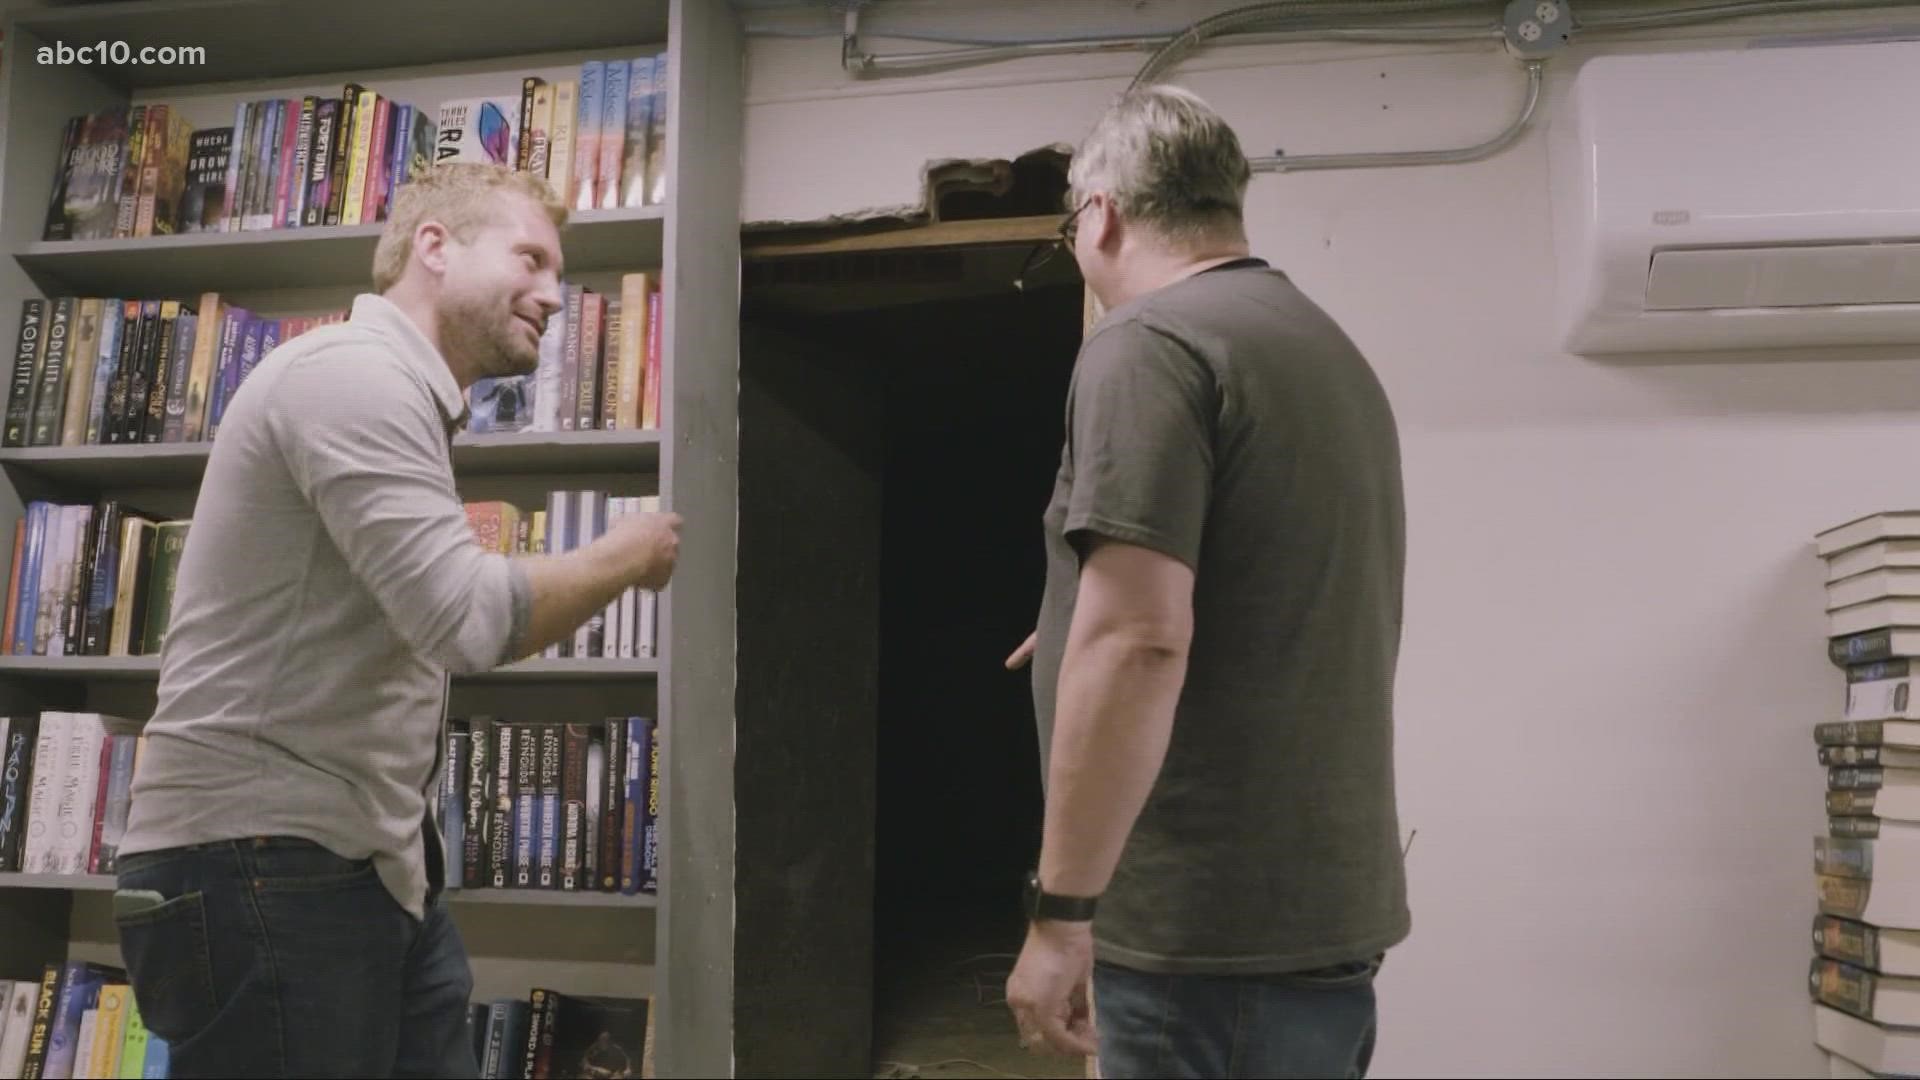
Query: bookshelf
x,y
597,240
94,468
675,946
529,898
531,670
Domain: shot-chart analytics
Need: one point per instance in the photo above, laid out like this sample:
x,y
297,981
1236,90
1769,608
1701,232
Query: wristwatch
x,y
1041,904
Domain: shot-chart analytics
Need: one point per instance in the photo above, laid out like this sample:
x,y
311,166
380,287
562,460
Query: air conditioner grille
x,y
1813,275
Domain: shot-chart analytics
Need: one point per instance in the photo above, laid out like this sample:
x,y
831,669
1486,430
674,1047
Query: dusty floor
x,y
940,1007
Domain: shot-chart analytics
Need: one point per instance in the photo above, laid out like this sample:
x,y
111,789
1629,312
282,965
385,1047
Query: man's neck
x,y
419,310
1161,267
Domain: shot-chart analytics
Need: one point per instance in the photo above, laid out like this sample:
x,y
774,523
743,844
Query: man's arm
x,y
1120,678
638,551
1140,436
1139,439
367,449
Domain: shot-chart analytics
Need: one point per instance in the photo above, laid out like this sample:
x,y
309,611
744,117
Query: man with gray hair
x,y
1215,651
281,902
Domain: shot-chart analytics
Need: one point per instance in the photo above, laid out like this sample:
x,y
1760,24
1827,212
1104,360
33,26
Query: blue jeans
x,y
1313,1023
273,956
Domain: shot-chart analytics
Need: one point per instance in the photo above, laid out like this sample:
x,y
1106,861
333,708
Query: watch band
x,y
1054,907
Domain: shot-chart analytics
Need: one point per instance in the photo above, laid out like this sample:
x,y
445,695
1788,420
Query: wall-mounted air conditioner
x,y
1744,199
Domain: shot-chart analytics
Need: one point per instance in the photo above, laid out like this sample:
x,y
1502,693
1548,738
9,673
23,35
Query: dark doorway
x,y
975,394
897,450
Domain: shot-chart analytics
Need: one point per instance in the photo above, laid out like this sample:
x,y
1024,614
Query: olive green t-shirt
x,y
1226,421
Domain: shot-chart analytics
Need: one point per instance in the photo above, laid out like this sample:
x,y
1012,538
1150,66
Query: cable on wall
x,y
1400,158
1280,13
1531,30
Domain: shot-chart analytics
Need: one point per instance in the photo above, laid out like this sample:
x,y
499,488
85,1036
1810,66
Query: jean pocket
x,y
1344,976
167,960
139,861
303,866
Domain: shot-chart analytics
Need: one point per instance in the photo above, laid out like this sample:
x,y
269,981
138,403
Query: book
x,y
93,178
1873,1049
204,199
483,129
1883,525
1884,999
16,1029
1887,951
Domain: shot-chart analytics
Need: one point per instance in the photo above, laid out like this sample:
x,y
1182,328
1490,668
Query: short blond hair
x,y
458,195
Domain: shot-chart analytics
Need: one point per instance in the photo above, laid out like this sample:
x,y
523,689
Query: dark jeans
x,y
1319,1023
274,957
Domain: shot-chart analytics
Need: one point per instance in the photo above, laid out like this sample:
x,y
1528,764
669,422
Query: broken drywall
x,y
938,179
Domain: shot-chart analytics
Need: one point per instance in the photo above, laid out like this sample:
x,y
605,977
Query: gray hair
x,y
1168,162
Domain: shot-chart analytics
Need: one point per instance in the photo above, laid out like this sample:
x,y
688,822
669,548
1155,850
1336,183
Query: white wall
x,y
1614,646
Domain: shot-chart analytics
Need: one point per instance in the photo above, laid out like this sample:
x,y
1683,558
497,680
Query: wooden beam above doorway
x,y
793,243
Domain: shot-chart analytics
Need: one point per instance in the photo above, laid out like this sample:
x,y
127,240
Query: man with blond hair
x,y
1215,651
281,896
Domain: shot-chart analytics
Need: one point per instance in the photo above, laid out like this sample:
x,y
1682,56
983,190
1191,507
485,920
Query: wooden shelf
x,y
339,255
259,39
520,897
98,468
538,670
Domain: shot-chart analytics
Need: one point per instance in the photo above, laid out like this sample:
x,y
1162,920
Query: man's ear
x,y
430,246
1104,223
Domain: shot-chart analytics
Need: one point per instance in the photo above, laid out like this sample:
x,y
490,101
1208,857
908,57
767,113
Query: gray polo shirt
x,y
329,583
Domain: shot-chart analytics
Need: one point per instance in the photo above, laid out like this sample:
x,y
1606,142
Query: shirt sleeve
x,y
366,446
1140,423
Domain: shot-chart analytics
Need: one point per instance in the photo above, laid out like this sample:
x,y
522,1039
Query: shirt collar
x,y
1241,263
385,318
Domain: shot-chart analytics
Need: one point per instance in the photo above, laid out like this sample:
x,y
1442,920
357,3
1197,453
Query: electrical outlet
x,y
1536,29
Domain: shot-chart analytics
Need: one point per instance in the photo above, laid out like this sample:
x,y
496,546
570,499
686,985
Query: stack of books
x,y
629,626
549,1033
599,139
91,580
1864,978
89,370
79,1020
66,783
551,804
599,367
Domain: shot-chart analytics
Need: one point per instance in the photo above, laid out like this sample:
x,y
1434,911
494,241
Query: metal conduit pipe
x,y
1535,78
1282,12
857,62
1739,9
1306,19
861,63
1293,17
